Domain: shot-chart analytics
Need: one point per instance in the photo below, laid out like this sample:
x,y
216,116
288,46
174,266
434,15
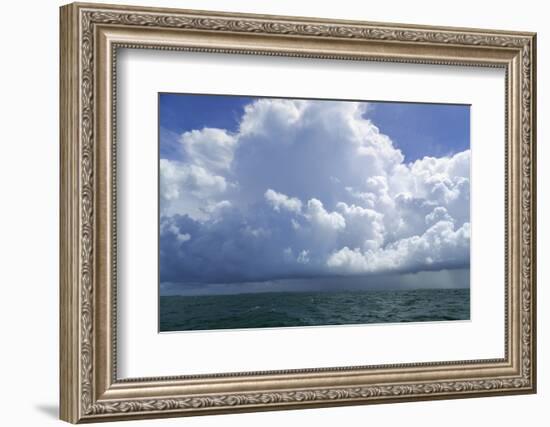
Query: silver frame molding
x,y
90,37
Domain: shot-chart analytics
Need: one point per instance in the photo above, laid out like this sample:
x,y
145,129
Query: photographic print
x,y
306,212
309,213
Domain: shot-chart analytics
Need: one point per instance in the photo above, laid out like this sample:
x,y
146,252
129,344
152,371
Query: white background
x,y
145,353
29,171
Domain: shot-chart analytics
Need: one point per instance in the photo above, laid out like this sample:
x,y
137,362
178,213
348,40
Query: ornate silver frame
x,y
90,36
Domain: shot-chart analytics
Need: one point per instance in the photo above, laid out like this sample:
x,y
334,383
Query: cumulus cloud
x,y
317,214
441,246
308,189
282,201
189,189
209,148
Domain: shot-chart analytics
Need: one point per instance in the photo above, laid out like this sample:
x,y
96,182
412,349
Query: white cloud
x,y
174,230
209,148
364,226
440,244
310,188
177,178
282,201
303,257
438,214
317,215
268,117
184,237
188,189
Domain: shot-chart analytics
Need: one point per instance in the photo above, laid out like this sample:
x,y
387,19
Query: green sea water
x,y
280,309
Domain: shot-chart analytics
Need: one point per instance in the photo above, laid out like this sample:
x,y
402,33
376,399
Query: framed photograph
x,y
266,212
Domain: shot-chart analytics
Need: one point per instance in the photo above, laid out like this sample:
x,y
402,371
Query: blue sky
x,y
270,190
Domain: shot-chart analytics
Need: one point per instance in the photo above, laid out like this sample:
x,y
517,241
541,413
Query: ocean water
x,y
279,309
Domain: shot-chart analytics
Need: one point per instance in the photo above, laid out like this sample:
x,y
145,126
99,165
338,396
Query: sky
x,y
294,194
